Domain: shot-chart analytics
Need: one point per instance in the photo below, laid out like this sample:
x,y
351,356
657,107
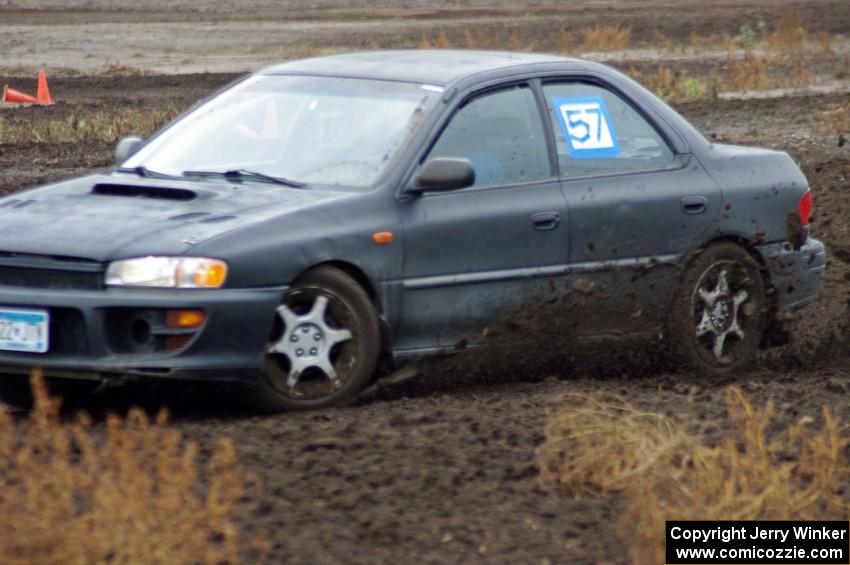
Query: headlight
x,y
167,272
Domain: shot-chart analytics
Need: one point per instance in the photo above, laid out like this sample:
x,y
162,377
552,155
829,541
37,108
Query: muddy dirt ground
x,y
90,36
442,470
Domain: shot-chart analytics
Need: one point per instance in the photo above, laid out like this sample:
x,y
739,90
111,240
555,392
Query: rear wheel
x,y
323,347
718,318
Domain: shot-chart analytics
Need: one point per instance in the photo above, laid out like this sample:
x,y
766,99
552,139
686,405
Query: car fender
x,y
276,251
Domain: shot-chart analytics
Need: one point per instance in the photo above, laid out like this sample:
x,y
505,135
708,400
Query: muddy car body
x,y
509,177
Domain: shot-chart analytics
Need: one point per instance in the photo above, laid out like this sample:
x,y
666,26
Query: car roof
x,y
427,66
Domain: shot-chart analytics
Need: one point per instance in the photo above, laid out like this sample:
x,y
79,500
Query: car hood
x,y
111,216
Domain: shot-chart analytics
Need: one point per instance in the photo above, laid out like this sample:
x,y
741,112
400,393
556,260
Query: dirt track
x,y
442,470
95,36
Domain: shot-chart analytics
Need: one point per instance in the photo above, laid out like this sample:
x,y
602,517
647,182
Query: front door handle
x,y
545,221
694,204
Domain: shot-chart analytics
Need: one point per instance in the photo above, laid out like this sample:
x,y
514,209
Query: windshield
x,y
313,130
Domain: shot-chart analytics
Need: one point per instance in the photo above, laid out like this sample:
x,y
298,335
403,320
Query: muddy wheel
x,y
323,347
718,318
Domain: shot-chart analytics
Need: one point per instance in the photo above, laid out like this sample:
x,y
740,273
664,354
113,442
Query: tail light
x,y
804,208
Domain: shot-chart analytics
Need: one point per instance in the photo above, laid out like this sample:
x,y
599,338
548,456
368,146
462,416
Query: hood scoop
x,y
133,191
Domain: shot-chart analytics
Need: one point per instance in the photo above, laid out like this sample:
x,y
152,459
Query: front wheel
x,y
324,345
718,318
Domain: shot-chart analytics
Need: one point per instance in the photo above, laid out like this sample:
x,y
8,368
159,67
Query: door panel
x,y
473,255
635,207
630,234
642,215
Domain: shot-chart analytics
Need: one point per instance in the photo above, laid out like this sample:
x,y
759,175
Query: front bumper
x,y
797,275
229,346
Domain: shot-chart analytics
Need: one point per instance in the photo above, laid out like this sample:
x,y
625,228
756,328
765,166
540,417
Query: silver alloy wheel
x,y
307,342
720,313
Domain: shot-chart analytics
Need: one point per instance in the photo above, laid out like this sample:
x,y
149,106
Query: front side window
x,y
596,131
501,134
314,130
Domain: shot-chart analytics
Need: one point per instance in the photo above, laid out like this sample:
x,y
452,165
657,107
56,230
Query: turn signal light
x,y
209,274
382,237
184,318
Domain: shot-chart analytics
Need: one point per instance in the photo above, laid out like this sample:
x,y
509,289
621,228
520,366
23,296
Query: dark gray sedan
x,y
324,215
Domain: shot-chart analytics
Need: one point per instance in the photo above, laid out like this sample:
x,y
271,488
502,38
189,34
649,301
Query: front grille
x,y
48,278
43,271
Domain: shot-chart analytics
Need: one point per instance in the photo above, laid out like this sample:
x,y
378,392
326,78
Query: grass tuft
x,y
747,73
439,42
600,444
789,35
132,493
677,86
606,37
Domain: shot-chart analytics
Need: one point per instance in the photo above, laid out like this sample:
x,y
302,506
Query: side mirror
x,y
443,173
126,147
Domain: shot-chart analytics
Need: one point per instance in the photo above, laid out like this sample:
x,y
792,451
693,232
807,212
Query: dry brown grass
x,y
600,444
667,44
303,51
479,39
789,34
134,494
514,43
747,73
86,126
606,37
119,70
676,85
799,71
439,42
834,119
566,42
823,41
711,40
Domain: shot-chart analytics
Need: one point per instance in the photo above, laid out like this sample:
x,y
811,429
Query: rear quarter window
x,y
598,132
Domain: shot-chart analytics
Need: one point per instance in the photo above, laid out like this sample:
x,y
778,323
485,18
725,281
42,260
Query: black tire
x,y
698,319
354,360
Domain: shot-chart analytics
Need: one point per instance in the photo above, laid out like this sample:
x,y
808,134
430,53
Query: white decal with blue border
x,y
587,127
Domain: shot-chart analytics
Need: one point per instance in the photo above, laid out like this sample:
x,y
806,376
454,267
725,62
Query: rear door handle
x,y
545,221
694,204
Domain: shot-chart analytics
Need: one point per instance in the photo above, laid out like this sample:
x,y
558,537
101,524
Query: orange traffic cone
x,y
11,95
43,96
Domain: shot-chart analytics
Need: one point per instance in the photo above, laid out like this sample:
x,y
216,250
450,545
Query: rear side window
x,y
501,134
596,131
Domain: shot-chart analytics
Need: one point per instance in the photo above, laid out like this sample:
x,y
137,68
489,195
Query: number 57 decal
x,y
587,127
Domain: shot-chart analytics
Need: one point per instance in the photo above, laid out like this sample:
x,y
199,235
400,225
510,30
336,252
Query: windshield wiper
x,y
239,174
146,173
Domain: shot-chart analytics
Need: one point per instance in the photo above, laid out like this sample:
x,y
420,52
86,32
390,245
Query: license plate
x,y
24,330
